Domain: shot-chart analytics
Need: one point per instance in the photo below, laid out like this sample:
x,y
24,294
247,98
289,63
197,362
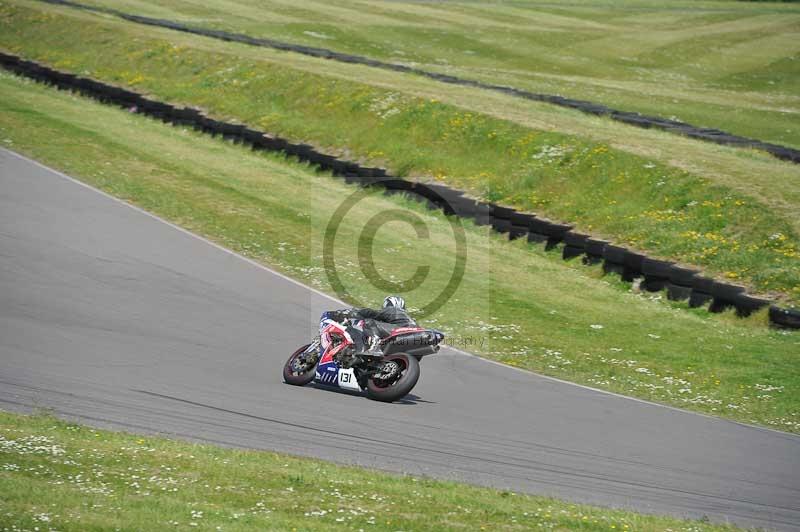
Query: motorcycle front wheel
x,y
398,378
297,372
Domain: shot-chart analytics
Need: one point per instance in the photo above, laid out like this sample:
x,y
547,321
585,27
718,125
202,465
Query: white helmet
x,y
394,301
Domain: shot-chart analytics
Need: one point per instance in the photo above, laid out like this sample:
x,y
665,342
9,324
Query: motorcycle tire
x,y
381,391
298,379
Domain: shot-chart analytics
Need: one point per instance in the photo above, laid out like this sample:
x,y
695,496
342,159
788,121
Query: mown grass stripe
x,y
628,264
714,135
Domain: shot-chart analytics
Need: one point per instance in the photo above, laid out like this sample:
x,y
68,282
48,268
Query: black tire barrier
x,y
702,284
501,225
576,240
503,213
614,260
235,133
271,143
701,291
614,267
251,136
465,207
420,192
633,266
570,252
727,295
400,185
699,299
337,166
595,247
574,245
483,213
440,196
746,305
719,305
656,274
503,219
381,172
682,276
159,110
352,179
517,231
371,181
65,81
594,251
554,231
788,318
522,219
205,125
614,254
656,268
635,119
653,284
725,291
520,225
537,238
676,292
306,153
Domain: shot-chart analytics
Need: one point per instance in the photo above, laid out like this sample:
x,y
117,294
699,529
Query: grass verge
x,y
670,213
62,476
521,305
718,64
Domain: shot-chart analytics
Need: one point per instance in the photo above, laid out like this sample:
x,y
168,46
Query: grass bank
x,y
731,65
528,308
628,198
62,476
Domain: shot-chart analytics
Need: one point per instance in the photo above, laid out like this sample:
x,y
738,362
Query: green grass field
x,y
734,229
62,476
732,65
523,306
735,213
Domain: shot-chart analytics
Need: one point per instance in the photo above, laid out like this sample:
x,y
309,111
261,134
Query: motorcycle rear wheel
x,y
294,377
380,390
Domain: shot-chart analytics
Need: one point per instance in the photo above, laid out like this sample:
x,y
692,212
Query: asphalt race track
x,y
114,318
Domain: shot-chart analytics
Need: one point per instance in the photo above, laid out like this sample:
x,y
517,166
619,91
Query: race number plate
x,y
347,380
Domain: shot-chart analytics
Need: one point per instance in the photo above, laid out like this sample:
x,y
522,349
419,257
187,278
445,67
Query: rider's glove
x,y
342,315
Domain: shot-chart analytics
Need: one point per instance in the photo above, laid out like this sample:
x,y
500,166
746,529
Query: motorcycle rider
x,y
377,323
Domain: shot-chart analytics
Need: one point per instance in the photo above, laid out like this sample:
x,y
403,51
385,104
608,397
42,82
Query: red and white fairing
x,y
333,339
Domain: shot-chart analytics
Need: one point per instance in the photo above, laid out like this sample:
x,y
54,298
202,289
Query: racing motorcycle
x,y
331,359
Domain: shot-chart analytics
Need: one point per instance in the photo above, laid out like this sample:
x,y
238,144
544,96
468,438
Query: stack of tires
x,y
680,283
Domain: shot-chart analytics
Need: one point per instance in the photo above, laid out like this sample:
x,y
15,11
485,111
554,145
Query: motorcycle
x,y
331,359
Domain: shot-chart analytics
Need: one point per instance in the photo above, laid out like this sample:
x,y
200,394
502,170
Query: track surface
x,y
112,317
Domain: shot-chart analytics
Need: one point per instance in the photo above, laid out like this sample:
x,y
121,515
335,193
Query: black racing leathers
x,y
377,323
394,316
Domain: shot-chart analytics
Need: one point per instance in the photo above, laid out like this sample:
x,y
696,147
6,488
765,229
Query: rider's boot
x,y
374,347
